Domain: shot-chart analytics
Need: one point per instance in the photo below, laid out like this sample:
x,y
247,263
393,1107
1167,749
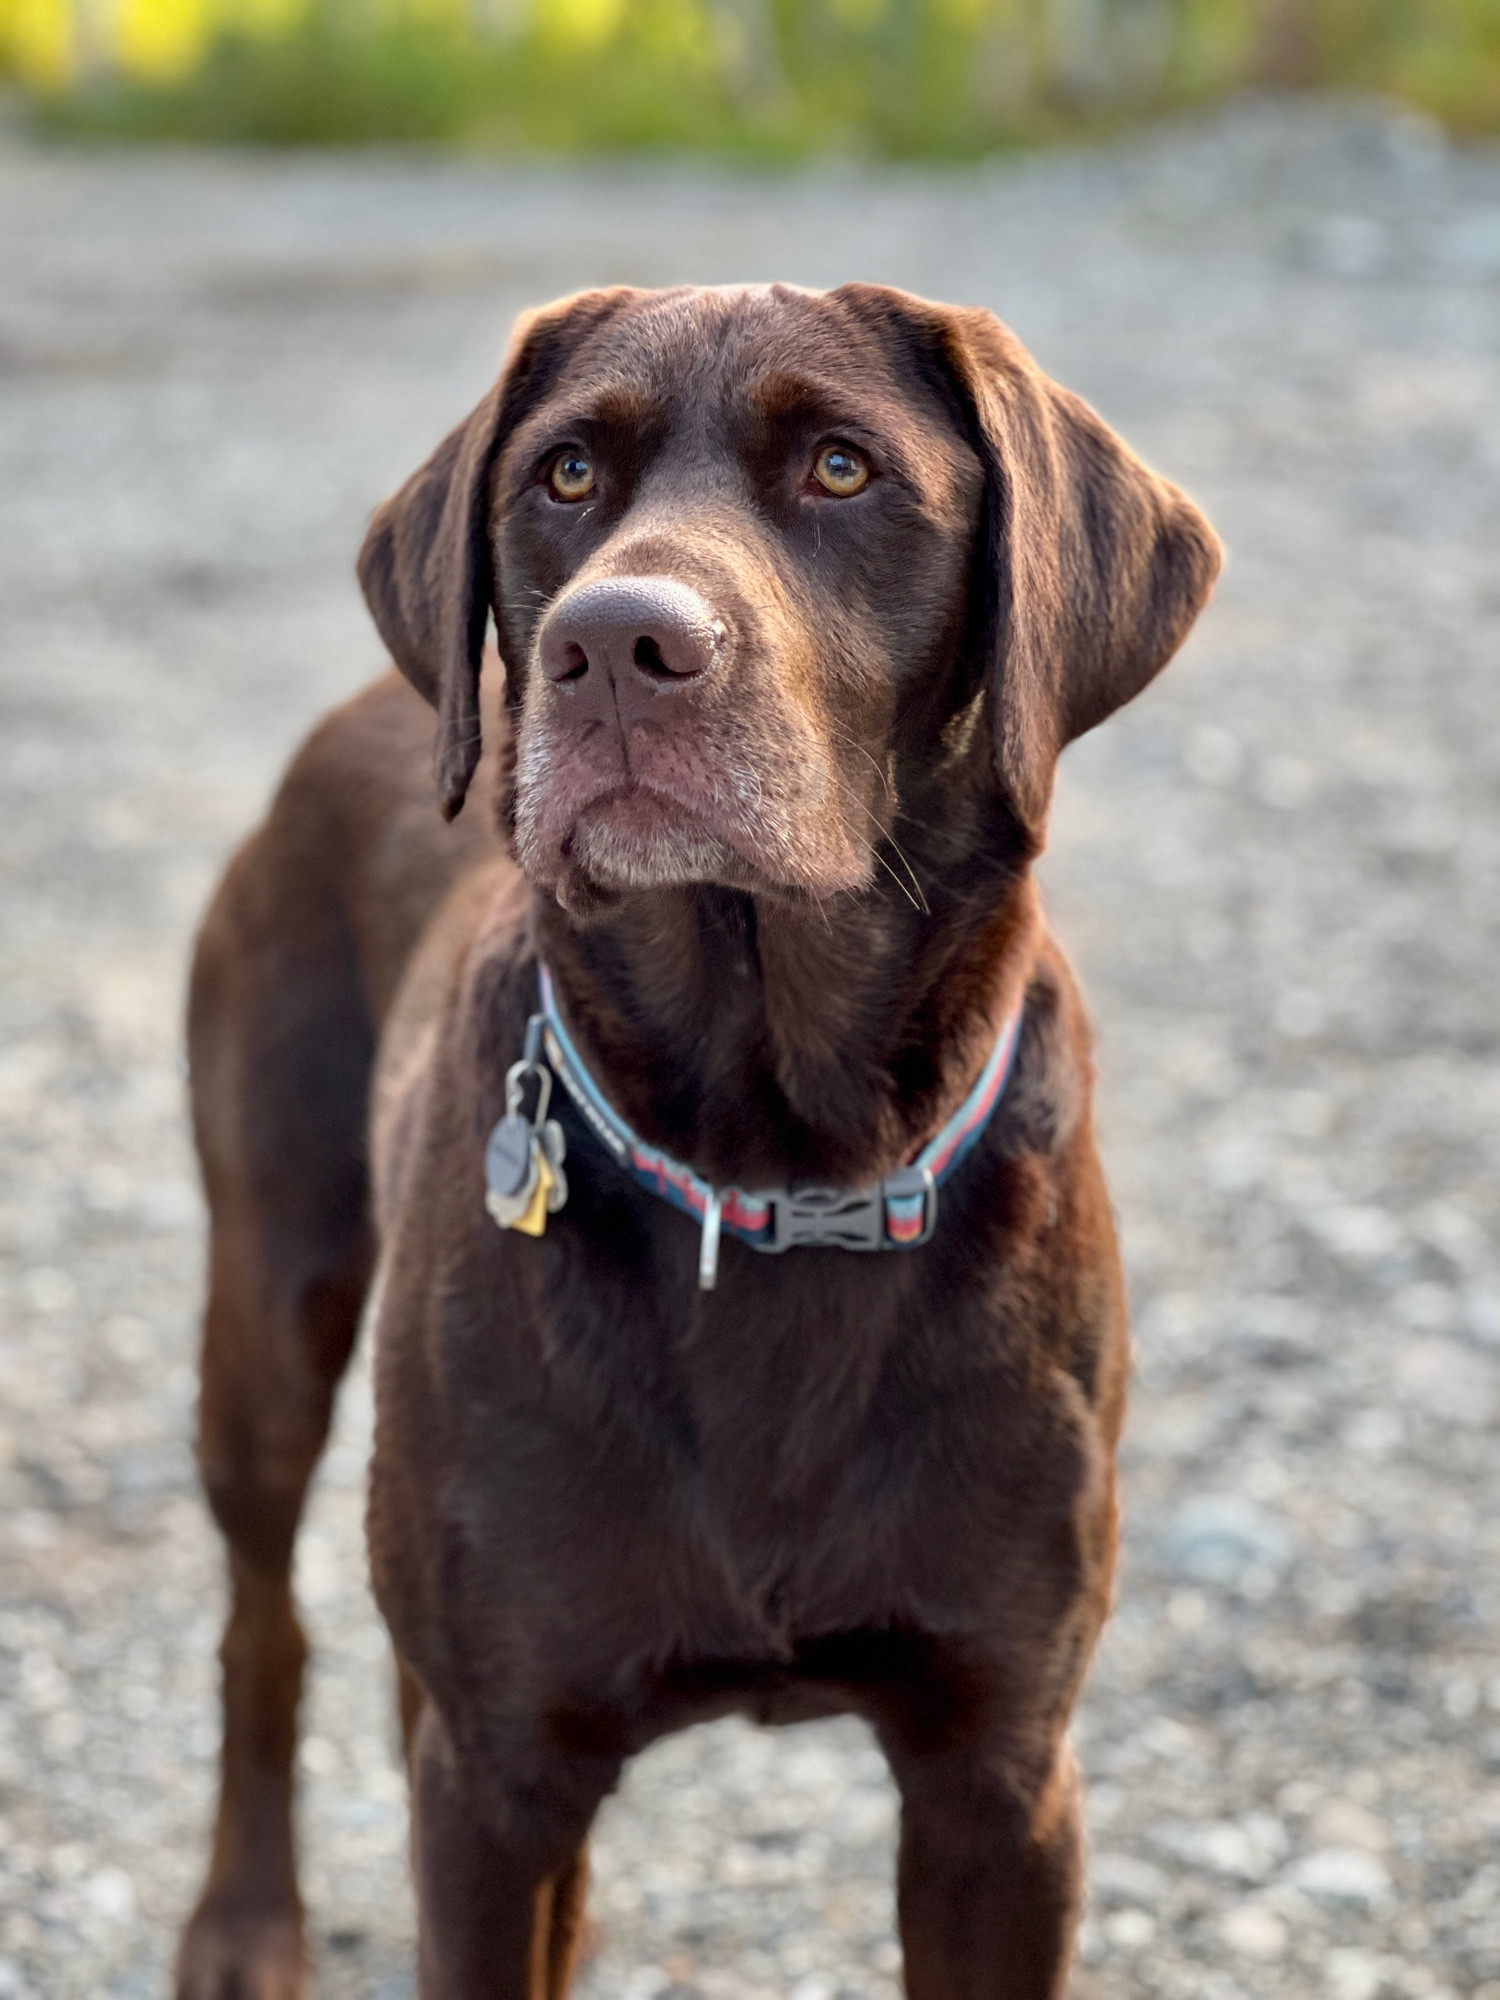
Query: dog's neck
x,y
781,1043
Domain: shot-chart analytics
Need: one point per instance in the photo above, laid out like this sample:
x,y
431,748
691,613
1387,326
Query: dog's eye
x,y
840,471
571,477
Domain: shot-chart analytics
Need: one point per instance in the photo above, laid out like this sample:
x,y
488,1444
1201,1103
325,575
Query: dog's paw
x,y
230,1954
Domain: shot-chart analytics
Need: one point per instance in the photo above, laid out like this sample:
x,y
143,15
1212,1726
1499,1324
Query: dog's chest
x,y
811,1462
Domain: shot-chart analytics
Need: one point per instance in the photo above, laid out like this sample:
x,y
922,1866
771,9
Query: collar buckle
x,y
824,1218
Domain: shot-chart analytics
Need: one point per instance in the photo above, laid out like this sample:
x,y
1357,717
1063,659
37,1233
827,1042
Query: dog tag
x,y
510,1170
555,1151
534,1221
523,1161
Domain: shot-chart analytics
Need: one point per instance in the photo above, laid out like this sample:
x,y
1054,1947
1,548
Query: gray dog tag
x,y
510,1169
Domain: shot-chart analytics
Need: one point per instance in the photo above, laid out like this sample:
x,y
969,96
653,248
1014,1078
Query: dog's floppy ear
x,y
427,567
1090,569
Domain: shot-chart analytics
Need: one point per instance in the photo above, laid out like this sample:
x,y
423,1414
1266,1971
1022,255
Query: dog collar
x,y
898,1213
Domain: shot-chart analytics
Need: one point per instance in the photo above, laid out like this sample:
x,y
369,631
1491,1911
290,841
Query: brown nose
x,y
627,641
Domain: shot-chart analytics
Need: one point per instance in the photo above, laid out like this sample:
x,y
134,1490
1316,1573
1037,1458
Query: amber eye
x,y
571,477
840,471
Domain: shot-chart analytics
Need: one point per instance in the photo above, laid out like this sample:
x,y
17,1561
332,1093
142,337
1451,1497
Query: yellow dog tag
x,y
534,1221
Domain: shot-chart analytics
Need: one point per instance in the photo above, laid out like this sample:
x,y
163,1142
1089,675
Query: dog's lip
x,y
644,812
647,805
562,806
641,813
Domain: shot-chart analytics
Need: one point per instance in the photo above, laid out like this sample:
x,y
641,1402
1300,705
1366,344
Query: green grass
x,y
325,86
788,78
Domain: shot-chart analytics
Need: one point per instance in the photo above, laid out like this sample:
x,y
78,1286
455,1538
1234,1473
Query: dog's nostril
x,y
576,663
647,656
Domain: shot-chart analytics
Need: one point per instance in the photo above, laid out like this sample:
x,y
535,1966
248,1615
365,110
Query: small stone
x,y
1354,1974
1357,1232
1343,1877
1129,1930
1375,1433
1213,756
1468,244
1461,1697
1307,1114
1219,1538
1450,1382
68,1861
1428,1308
1255,1932
1116,1879
1342,1823
1482,1315
1347,246
1285,783
1187,1610
1219,1847
1450,1228
1299,1012
1092,1949
48,1290
112,1894
1297,1798
318,1757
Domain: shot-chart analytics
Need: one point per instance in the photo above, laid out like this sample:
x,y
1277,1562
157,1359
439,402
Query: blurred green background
x,y
768,78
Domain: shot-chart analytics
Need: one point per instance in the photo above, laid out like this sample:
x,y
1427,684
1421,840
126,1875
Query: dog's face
x,y
759,560
734,542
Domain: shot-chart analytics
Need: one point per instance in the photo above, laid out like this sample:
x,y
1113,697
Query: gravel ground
x,y
1278,873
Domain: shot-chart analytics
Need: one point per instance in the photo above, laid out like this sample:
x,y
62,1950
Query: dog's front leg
x,y
990,1875
500,1866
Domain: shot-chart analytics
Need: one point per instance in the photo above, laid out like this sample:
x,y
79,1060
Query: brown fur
x,y
786,904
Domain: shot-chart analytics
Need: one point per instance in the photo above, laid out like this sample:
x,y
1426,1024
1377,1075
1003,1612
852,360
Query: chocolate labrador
x,y
751,1331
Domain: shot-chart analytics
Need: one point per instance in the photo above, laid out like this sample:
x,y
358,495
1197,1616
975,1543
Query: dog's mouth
x,y
675,807
635,837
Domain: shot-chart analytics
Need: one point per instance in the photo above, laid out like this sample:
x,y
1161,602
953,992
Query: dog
x,y
751,1331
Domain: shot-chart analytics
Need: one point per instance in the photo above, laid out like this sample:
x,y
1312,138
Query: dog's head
x,y
764,564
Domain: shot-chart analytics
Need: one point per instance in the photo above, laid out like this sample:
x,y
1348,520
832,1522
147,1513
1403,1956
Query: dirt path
x,y
1278,873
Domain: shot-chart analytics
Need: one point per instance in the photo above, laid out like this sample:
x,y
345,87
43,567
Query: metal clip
x,y
523,1161
515,1084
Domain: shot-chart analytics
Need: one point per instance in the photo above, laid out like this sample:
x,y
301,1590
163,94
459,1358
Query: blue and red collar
x,y
897,1214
